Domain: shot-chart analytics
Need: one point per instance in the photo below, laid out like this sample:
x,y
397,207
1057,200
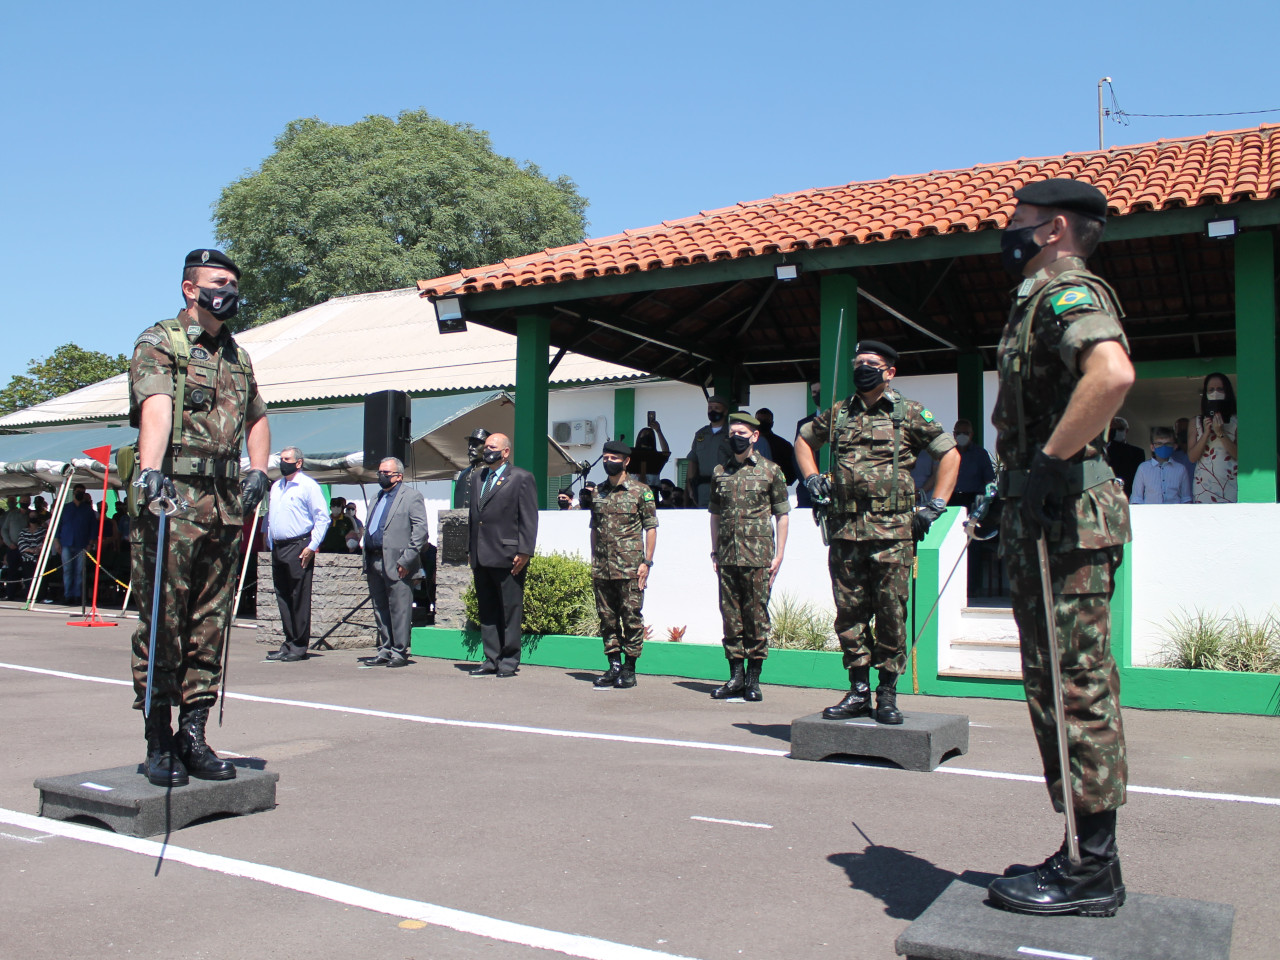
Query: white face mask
x,y
962,440
1216,395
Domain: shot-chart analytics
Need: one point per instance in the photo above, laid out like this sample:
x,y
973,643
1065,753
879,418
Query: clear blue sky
x,y
124,121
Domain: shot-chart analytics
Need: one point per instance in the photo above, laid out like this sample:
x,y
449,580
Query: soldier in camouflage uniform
x,y
746,490
1064,372
872,520
193,397
624,532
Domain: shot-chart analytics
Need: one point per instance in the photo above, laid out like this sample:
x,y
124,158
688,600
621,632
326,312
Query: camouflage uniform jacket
x,y
1073,309
863,507
221,401
620,513
708,450
745,496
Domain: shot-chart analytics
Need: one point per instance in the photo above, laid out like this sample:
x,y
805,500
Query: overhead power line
x,y
1120,115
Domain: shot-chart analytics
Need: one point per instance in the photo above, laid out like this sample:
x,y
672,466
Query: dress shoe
x,y
196,755
381,660
1092,888
503,674
280,656
398,662
735,686
484,670
857,702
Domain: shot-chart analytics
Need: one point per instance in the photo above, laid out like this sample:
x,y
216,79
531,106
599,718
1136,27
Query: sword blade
x,y
1060,718
161,519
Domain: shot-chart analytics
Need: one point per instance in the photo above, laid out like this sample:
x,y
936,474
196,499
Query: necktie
x,y
488,482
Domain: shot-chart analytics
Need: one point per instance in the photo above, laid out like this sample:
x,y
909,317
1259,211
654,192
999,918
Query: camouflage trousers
x,y
200,572
1083,581
871,578
744,610
618,603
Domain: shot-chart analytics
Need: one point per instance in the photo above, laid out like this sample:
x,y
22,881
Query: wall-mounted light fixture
x,y
449,315
1222,229
787,271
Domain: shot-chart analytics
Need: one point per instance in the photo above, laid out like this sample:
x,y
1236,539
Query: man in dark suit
x,y
503,528
393,542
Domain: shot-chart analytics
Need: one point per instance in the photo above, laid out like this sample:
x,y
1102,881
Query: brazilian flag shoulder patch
x,y
926,416
1065,300
648,495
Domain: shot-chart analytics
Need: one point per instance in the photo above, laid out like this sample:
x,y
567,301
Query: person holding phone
x,y
651,452
1213,449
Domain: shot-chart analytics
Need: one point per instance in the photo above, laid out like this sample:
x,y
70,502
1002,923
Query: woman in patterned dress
x,y
1213,447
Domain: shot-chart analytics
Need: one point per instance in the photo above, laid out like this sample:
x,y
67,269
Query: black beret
x,y
211,258
875,346
746,418
479,434
1065,194
618,447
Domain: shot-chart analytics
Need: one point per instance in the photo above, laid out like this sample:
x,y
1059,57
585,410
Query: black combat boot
x,y
857,703
627,678
752,693
200,760
737,683
163,768
1092,888
608,678
887,699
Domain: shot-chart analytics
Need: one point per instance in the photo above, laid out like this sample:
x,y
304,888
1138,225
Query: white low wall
x,y
682,588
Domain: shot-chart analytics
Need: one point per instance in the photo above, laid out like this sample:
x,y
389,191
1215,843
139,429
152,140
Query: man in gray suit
x,y
503,529
393,542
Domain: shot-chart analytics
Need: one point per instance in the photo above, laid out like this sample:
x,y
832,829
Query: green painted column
x,y
722,384
1256,365
838,295
624,415
969,393
529,445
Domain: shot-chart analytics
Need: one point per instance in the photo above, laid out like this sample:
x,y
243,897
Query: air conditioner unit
x,y
574,433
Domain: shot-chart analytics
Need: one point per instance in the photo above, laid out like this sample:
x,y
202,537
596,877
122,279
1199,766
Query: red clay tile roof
x,y
1215,168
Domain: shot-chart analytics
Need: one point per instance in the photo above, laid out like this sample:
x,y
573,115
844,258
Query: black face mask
x,y
766,426
491,456
584,499
715,416
288,469
613,467
564,503
385,482
222,302
866,377
1018,248
739,444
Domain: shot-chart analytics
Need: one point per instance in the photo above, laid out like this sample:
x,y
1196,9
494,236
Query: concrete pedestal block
x,y
920,742
961,925
124,800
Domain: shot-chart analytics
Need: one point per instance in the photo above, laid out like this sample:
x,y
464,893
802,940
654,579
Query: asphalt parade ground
x,y
424,814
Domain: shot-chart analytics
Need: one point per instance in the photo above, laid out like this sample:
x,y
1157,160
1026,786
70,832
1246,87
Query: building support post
x,y
529,445
1256,365
969,392
838,291
624,415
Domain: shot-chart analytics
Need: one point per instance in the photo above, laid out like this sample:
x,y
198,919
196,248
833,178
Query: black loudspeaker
x,y
386,427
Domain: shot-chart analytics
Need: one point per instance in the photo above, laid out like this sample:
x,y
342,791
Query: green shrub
x,y
558,598
800,625
1207,641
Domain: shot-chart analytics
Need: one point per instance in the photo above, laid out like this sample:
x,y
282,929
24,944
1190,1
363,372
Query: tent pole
x,y
55,518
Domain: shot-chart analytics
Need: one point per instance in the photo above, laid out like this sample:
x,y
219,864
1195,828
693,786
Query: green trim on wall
x,y
624,415
1197,367
1256,374
969,392
533,343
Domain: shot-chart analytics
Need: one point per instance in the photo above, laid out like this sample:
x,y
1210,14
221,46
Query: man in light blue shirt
x,y
1161,479
296,523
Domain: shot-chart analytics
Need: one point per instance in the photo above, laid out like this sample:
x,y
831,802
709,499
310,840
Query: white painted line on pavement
x,y
473,923
735,823
1033,952
652,741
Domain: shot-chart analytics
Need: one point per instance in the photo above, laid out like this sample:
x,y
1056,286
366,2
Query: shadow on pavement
x,y
696,686
778,731
904,883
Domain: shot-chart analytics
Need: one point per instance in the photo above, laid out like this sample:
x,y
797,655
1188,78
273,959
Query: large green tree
x,y
380,204
67,368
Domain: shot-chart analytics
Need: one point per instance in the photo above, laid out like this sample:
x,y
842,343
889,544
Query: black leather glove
x,y
819,488
253,488
1042,496
153,485
923,518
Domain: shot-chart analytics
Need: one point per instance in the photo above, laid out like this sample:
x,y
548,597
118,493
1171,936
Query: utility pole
x,y
1101,112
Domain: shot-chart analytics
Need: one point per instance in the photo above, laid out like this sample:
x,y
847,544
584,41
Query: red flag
x,y
101,454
